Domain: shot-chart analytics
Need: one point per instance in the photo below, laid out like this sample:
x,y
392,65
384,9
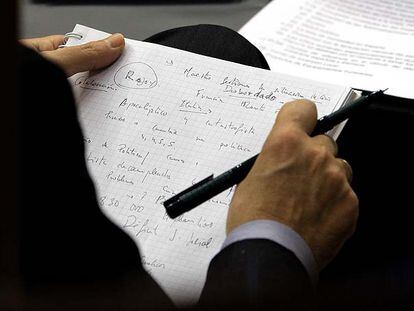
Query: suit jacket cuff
x,y
278,233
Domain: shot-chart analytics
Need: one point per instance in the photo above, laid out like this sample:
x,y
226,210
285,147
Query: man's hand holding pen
x,y
297,180
213,185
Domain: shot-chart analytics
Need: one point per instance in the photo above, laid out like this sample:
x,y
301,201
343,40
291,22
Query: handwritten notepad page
x,y
160,119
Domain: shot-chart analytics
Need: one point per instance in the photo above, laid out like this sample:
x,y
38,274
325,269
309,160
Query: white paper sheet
x,y
160,119
366,44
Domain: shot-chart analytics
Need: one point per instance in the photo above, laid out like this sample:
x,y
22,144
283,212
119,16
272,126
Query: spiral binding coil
x,y
70,35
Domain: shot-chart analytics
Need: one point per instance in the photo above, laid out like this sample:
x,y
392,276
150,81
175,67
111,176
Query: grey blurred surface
x,y
134,21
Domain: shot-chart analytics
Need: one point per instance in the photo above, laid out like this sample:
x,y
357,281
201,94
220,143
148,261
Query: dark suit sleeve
x,y
257,274
71,255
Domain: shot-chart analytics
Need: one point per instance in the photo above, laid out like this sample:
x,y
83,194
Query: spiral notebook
x,y
160,119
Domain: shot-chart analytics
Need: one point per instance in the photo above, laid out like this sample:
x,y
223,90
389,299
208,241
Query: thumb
x,y
301,114
295,116
90,56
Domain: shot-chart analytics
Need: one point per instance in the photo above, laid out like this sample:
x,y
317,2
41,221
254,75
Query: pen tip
x,y
383,91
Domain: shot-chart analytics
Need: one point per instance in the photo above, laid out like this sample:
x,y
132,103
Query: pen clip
x,y
171,201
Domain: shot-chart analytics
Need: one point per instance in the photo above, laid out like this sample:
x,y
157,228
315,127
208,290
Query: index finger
x,y
300,113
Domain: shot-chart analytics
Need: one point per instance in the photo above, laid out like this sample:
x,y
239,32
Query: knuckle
x,y
329,142
352,198
290,135
88,47
286,139
335,174
319,155
351,206
93,48
93,51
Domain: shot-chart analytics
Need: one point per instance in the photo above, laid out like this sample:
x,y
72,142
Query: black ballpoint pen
x,y
211,186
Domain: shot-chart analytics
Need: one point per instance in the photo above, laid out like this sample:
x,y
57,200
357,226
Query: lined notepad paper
x,y
160,119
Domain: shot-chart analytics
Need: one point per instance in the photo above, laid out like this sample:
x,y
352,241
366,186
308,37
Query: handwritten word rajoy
x,y
136,76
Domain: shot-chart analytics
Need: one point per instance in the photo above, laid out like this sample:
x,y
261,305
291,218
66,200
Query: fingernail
x,y
115,41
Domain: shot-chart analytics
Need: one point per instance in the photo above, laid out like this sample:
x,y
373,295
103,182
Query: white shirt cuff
x,y
281,234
